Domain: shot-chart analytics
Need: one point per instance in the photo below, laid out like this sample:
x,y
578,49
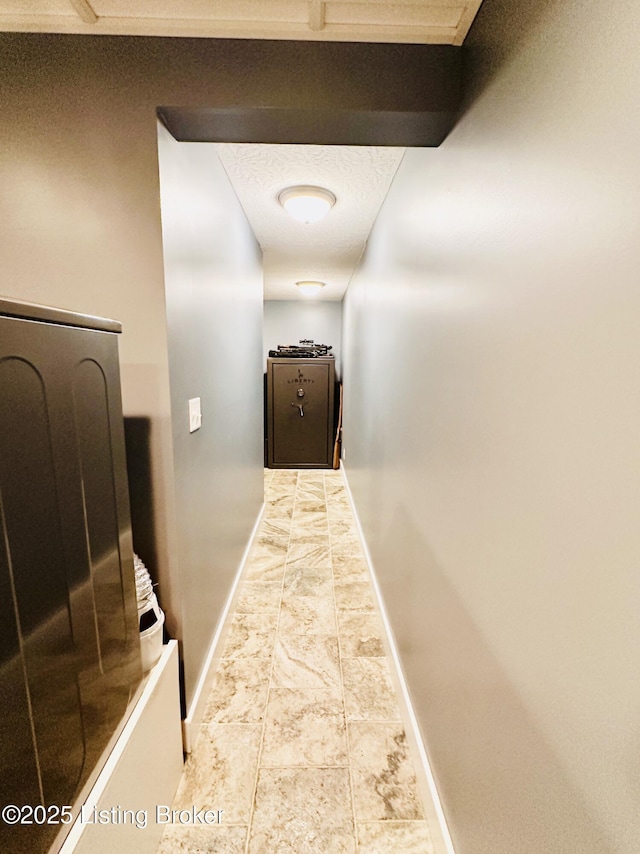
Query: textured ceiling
x,y
328,250
414,21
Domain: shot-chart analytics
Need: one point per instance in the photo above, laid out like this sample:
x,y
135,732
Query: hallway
x,y
302,745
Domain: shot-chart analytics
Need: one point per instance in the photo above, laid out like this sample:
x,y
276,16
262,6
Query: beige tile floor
x,y
302,744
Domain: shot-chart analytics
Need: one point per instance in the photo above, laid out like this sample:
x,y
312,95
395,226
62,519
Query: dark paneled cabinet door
x,y
300,428
69,640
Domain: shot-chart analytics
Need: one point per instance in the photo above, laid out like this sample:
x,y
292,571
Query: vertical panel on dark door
x,y
37,568
69,641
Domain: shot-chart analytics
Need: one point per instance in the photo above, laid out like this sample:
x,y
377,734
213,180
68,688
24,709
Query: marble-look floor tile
x,y
360,635
339,526
368,691
348,568
308,580
180,839
309,554
339,506
397,837
270,544
275,527
282,493
302,728
307,662
384,783
354,596
266,568
251,636
302,811
277,506
308,615
347,544
310,490
309,508
278,498
335,492
221,772
259,597
309,479
314,523
309,535
309,524
338,514
239,691
284,476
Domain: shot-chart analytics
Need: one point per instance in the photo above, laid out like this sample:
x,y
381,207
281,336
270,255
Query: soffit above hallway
x,y
332,115
400,21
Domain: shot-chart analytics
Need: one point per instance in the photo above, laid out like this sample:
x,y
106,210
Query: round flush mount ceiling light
x,y
310,289
307,204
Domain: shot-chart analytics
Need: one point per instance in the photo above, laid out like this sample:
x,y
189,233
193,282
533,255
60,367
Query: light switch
x,y
195,414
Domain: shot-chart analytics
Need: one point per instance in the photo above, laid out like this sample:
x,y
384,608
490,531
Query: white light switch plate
x,y
195,414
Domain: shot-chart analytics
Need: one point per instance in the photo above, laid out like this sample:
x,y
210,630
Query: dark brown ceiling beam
x,y
327,93
307,127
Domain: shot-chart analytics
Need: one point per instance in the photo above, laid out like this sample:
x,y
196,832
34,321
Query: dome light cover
x,y
307,204
310,289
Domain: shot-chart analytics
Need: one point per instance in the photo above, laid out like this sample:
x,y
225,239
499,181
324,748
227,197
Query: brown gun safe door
x,y
300,429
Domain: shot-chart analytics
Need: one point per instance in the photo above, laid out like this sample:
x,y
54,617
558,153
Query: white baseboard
x,y
195,712
433,806
141,773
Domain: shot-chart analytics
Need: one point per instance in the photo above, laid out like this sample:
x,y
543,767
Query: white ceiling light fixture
x,y
310,289
307,204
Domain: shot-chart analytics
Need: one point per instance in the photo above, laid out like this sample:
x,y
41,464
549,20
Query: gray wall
x,y
81,229
492,446
213,282
287,321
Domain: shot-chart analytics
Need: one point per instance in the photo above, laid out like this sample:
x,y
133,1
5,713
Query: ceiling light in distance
x,y
310,289
307,204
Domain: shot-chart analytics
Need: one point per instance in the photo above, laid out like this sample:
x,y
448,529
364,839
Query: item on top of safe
x,y
305,349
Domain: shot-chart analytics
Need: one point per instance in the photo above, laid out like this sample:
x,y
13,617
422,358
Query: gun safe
x,y
300,412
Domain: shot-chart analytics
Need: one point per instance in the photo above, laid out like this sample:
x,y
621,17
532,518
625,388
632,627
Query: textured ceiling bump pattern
x,y
408,21
328,250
